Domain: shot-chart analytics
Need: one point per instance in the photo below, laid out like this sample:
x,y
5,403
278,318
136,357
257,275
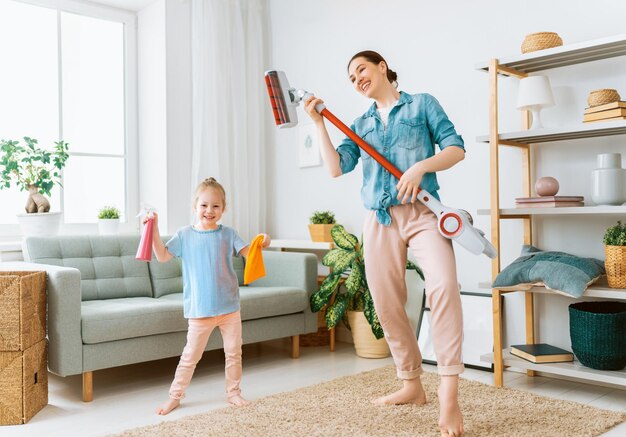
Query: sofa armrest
x,y
289,269
65,348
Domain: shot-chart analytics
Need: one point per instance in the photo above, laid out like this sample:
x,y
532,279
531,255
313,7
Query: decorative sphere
x,y
547,186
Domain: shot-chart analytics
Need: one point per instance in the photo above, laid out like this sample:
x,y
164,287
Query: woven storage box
x,y
541,41
598,334
602,97
23,383
319,338
615,265
22,309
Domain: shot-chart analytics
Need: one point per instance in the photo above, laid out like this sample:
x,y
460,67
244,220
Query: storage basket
x,y
22,309
602,97
615,265
23,383
598,334
541,41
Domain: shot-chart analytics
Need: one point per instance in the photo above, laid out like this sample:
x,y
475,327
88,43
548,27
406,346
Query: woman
x,y
404,129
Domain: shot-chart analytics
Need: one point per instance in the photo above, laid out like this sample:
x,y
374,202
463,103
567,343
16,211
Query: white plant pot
x,y
108,226
40,224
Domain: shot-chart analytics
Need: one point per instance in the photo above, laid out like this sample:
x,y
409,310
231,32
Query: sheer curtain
x,y
229,49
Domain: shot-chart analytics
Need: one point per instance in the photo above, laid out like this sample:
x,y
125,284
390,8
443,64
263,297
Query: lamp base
x,y
536,124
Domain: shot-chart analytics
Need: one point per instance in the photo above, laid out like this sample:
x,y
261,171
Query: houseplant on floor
x,y
615,251
321,222
351,303
36,170
108,220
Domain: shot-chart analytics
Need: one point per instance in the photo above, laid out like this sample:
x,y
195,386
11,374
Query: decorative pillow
x,y
557,271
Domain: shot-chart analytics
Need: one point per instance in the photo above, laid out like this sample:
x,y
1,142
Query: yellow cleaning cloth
x,y
255,268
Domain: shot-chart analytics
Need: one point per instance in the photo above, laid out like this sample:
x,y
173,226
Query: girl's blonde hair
x,y
205,185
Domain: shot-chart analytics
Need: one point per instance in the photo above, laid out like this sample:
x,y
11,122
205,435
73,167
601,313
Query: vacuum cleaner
x,y
455,224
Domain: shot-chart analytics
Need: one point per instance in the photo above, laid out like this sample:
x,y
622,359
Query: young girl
x,y
404,128
210,288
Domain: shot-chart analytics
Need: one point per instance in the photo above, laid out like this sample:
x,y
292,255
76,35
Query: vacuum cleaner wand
x,y
454,224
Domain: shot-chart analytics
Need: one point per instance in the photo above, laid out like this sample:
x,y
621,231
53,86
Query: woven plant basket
x,y
319,338
602,97
541,41
598,334
615,265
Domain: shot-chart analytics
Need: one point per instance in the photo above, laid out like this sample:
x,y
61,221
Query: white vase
x,y
607,181
108,226
40,224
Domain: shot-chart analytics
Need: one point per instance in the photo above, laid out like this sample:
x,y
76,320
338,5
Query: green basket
x,y
598,334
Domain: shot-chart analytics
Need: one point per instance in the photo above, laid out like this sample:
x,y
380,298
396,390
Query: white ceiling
x,y
129,5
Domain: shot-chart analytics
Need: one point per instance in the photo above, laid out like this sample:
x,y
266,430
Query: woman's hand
x,y
266,240
309,107
409,183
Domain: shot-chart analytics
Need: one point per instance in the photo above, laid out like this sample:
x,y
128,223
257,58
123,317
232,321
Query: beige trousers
x,y
385,251
197,337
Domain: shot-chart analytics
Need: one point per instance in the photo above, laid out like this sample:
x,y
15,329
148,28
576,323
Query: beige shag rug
x,y
342,407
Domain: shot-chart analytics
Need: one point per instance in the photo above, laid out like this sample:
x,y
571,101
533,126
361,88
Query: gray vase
x,y
607,181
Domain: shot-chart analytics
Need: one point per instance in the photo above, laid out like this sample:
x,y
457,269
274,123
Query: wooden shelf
x,y
301,244
562,210
599,289
582,130
572,369
565,55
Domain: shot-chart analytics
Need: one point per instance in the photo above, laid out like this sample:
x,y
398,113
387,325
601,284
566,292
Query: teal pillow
x,y
558,271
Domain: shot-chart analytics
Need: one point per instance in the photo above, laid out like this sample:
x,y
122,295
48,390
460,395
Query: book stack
x,y
541,353
549,201
608,111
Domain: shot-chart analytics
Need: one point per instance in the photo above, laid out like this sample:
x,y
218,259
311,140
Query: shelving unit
x,y
519,67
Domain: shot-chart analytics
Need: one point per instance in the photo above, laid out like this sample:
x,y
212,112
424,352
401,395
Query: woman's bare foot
x,y
168,406
411,392
237,401
450,418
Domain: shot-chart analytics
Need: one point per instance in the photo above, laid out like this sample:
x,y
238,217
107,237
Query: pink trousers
x,y
385,252
197,337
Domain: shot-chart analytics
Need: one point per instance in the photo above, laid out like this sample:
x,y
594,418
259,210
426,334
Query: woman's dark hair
x,y
376,58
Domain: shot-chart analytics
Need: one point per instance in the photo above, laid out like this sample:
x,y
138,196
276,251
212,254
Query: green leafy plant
x,y
346,261
109,212
33,169
322,218
615,235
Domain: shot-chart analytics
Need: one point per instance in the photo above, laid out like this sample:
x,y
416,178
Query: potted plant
x,y
108,220
36,170
353,302
321,222
615,251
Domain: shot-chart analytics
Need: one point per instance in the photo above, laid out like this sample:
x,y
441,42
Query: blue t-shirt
x,y
210,285
415,124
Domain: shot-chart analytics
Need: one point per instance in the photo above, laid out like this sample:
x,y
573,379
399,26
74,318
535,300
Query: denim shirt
x,y
416,123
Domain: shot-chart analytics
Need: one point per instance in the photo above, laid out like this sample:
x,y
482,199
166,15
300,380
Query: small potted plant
x,y
345,295
615,251
108,220
321,222
36,170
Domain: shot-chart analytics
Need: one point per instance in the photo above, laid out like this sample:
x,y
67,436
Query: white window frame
x,y
12,232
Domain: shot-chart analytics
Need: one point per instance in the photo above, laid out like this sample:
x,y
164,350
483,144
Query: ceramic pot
x,y
607,181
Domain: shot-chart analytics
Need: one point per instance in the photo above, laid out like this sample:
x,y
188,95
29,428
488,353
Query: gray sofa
x,y
107,309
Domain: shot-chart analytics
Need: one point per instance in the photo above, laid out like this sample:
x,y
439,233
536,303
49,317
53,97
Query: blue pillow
x,y
557,271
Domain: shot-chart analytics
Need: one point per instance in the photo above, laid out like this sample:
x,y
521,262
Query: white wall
x,y
434,47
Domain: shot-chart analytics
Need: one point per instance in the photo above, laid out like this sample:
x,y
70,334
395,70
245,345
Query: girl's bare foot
x,y
237,401
168,406
450,418
411,392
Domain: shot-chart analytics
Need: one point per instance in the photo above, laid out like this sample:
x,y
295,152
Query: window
x,y
67,75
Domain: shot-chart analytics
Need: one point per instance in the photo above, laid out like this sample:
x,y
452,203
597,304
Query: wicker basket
x,y
541,41
319,338
598,334
22,309
602,97
615,265
23,383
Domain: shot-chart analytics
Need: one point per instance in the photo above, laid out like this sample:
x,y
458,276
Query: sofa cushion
x,y
167,278
107,264
117,319
259,302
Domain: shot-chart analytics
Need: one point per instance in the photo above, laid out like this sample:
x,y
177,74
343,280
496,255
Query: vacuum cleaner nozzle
x,y
282,99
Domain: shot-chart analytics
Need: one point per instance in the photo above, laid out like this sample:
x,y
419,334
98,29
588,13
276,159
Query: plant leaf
x,y
343,238
321,297
355,279
335,312
412,266
370,314
341,261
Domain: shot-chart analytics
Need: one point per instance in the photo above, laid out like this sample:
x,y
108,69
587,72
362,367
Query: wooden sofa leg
x,y
295,346
87,386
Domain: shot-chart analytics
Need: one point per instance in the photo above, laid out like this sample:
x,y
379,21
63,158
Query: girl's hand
x,y
409,183
266,240
309,107
154,216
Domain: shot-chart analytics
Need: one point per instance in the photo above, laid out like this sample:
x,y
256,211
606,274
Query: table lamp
x,y
535,93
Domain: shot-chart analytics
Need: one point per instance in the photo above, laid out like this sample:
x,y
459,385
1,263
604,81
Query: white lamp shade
x,y
534,91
